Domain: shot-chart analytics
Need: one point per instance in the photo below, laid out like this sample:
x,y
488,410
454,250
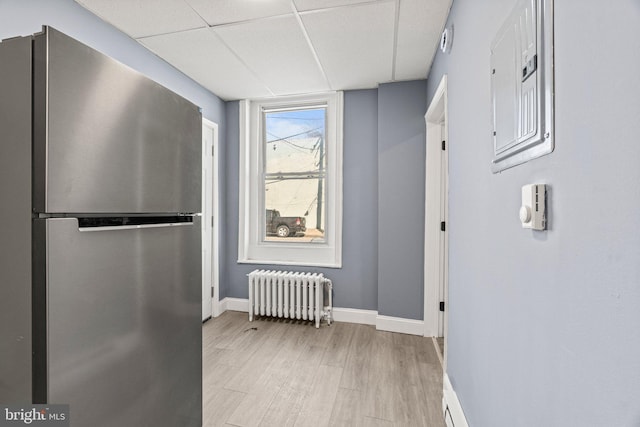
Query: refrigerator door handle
x,y
132,223
134,227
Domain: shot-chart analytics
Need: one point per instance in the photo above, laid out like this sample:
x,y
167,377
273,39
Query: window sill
x,y
293,263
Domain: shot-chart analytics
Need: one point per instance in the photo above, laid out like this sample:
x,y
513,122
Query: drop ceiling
x,y
261,48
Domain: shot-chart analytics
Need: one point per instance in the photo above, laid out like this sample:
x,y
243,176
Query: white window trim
x,y
251,247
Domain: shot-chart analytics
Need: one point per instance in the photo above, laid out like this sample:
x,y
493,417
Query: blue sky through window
x,y
296,124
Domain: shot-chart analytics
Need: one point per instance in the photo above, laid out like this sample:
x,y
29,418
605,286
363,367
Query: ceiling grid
x,y
250,49
395,41
306,36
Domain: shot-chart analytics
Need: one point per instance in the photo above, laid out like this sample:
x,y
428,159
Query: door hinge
x,y
443,226
212,223
441,305
212,292
444,145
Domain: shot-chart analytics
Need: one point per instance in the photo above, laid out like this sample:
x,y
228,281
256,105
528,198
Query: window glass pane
x,y
294,174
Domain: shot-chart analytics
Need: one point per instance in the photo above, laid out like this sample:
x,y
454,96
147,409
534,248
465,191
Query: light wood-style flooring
x,y
285,373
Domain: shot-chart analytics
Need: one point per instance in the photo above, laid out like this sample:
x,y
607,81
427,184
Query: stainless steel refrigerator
x,y
100,275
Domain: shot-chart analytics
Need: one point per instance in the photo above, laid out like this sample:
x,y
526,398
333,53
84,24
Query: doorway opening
x,y
436,262
210,210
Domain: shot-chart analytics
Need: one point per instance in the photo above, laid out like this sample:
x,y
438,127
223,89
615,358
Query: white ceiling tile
x,y
419,28
277,51
355,44
303,5
140,18
256,48
217,12
201,55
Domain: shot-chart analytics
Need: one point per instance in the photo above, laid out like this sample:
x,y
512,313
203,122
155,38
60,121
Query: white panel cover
x,y
526,33
505,90
522,85
514,78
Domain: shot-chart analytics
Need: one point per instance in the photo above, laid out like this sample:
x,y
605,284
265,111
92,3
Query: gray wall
x,y
543,326
384,158
232,274
401,175
356,283
25,17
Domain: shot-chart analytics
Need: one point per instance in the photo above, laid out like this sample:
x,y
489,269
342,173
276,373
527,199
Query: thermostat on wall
x,y
533,213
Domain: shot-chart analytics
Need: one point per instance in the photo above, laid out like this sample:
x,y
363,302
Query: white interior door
x,y
210,295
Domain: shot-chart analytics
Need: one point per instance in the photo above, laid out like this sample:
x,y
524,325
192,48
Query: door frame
x,y
214,236
436,210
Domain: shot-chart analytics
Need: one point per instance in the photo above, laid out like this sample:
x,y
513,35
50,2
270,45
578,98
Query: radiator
x,y
289,295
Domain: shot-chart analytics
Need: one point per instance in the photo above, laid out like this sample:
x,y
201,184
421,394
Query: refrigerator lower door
x,y
120,340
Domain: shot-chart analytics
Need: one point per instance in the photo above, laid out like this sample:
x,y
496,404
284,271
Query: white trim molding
x,y
211,184
347,315
398,324
234,304
354,315
451,408
435,241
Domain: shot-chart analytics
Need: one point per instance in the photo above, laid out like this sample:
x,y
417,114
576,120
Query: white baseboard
x,y
398,324
453,413
234,304
348,315
354,315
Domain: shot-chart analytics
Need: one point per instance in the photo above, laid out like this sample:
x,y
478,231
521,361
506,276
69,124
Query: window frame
x,y
252,248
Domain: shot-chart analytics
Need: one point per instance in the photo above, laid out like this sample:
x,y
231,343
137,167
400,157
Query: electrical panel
x,y
522,85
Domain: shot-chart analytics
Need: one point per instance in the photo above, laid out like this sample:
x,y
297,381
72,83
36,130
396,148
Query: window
x,y
293,141
290,207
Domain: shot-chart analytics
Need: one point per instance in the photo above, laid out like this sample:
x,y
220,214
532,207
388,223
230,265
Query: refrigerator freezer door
x,y
108,139
15,220
123,341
